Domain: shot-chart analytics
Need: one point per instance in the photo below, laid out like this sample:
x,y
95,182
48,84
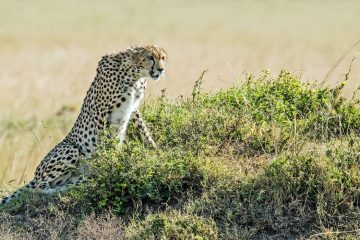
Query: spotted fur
x,y
112,101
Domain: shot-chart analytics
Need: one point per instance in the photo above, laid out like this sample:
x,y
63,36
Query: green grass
x,y
267,158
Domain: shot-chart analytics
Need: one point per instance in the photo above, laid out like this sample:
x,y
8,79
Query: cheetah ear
x,y
133,51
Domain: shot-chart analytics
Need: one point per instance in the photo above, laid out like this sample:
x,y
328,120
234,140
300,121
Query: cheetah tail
x,y
13,195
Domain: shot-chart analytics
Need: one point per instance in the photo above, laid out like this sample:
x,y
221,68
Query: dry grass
x,y
105,226
49,52
61,226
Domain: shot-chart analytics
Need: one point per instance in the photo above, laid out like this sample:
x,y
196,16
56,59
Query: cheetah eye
x,y
162,58
151,58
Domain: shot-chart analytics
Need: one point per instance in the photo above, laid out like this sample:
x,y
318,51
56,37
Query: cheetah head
x,y
150,60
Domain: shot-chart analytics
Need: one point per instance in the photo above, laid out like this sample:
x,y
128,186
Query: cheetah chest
x,y
128,103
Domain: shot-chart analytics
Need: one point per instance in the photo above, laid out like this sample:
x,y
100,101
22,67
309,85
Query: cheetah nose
x,y
160,70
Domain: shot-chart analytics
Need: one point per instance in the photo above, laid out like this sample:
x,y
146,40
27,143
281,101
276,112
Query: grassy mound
x,y
268,158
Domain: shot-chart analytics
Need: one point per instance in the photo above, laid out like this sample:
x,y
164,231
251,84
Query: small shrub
x,y
118,179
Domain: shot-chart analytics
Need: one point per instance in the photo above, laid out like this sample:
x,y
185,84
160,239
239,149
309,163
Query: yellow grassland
x,y
49,52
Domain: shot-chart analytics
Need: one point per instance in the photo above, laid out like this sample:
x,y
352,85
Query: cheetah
x,y
111,101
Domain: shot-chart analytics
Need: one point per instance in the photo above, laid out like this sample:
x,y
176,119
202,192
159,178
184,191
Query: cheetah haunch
x,y
112,100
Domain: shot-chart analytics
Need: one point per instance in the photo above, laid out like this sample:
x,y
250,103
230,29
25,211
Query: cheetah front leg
x,y
140,125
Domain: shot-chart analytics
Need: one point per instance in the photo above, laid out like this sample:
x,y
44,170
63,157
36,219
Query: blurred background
x,y
49,51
